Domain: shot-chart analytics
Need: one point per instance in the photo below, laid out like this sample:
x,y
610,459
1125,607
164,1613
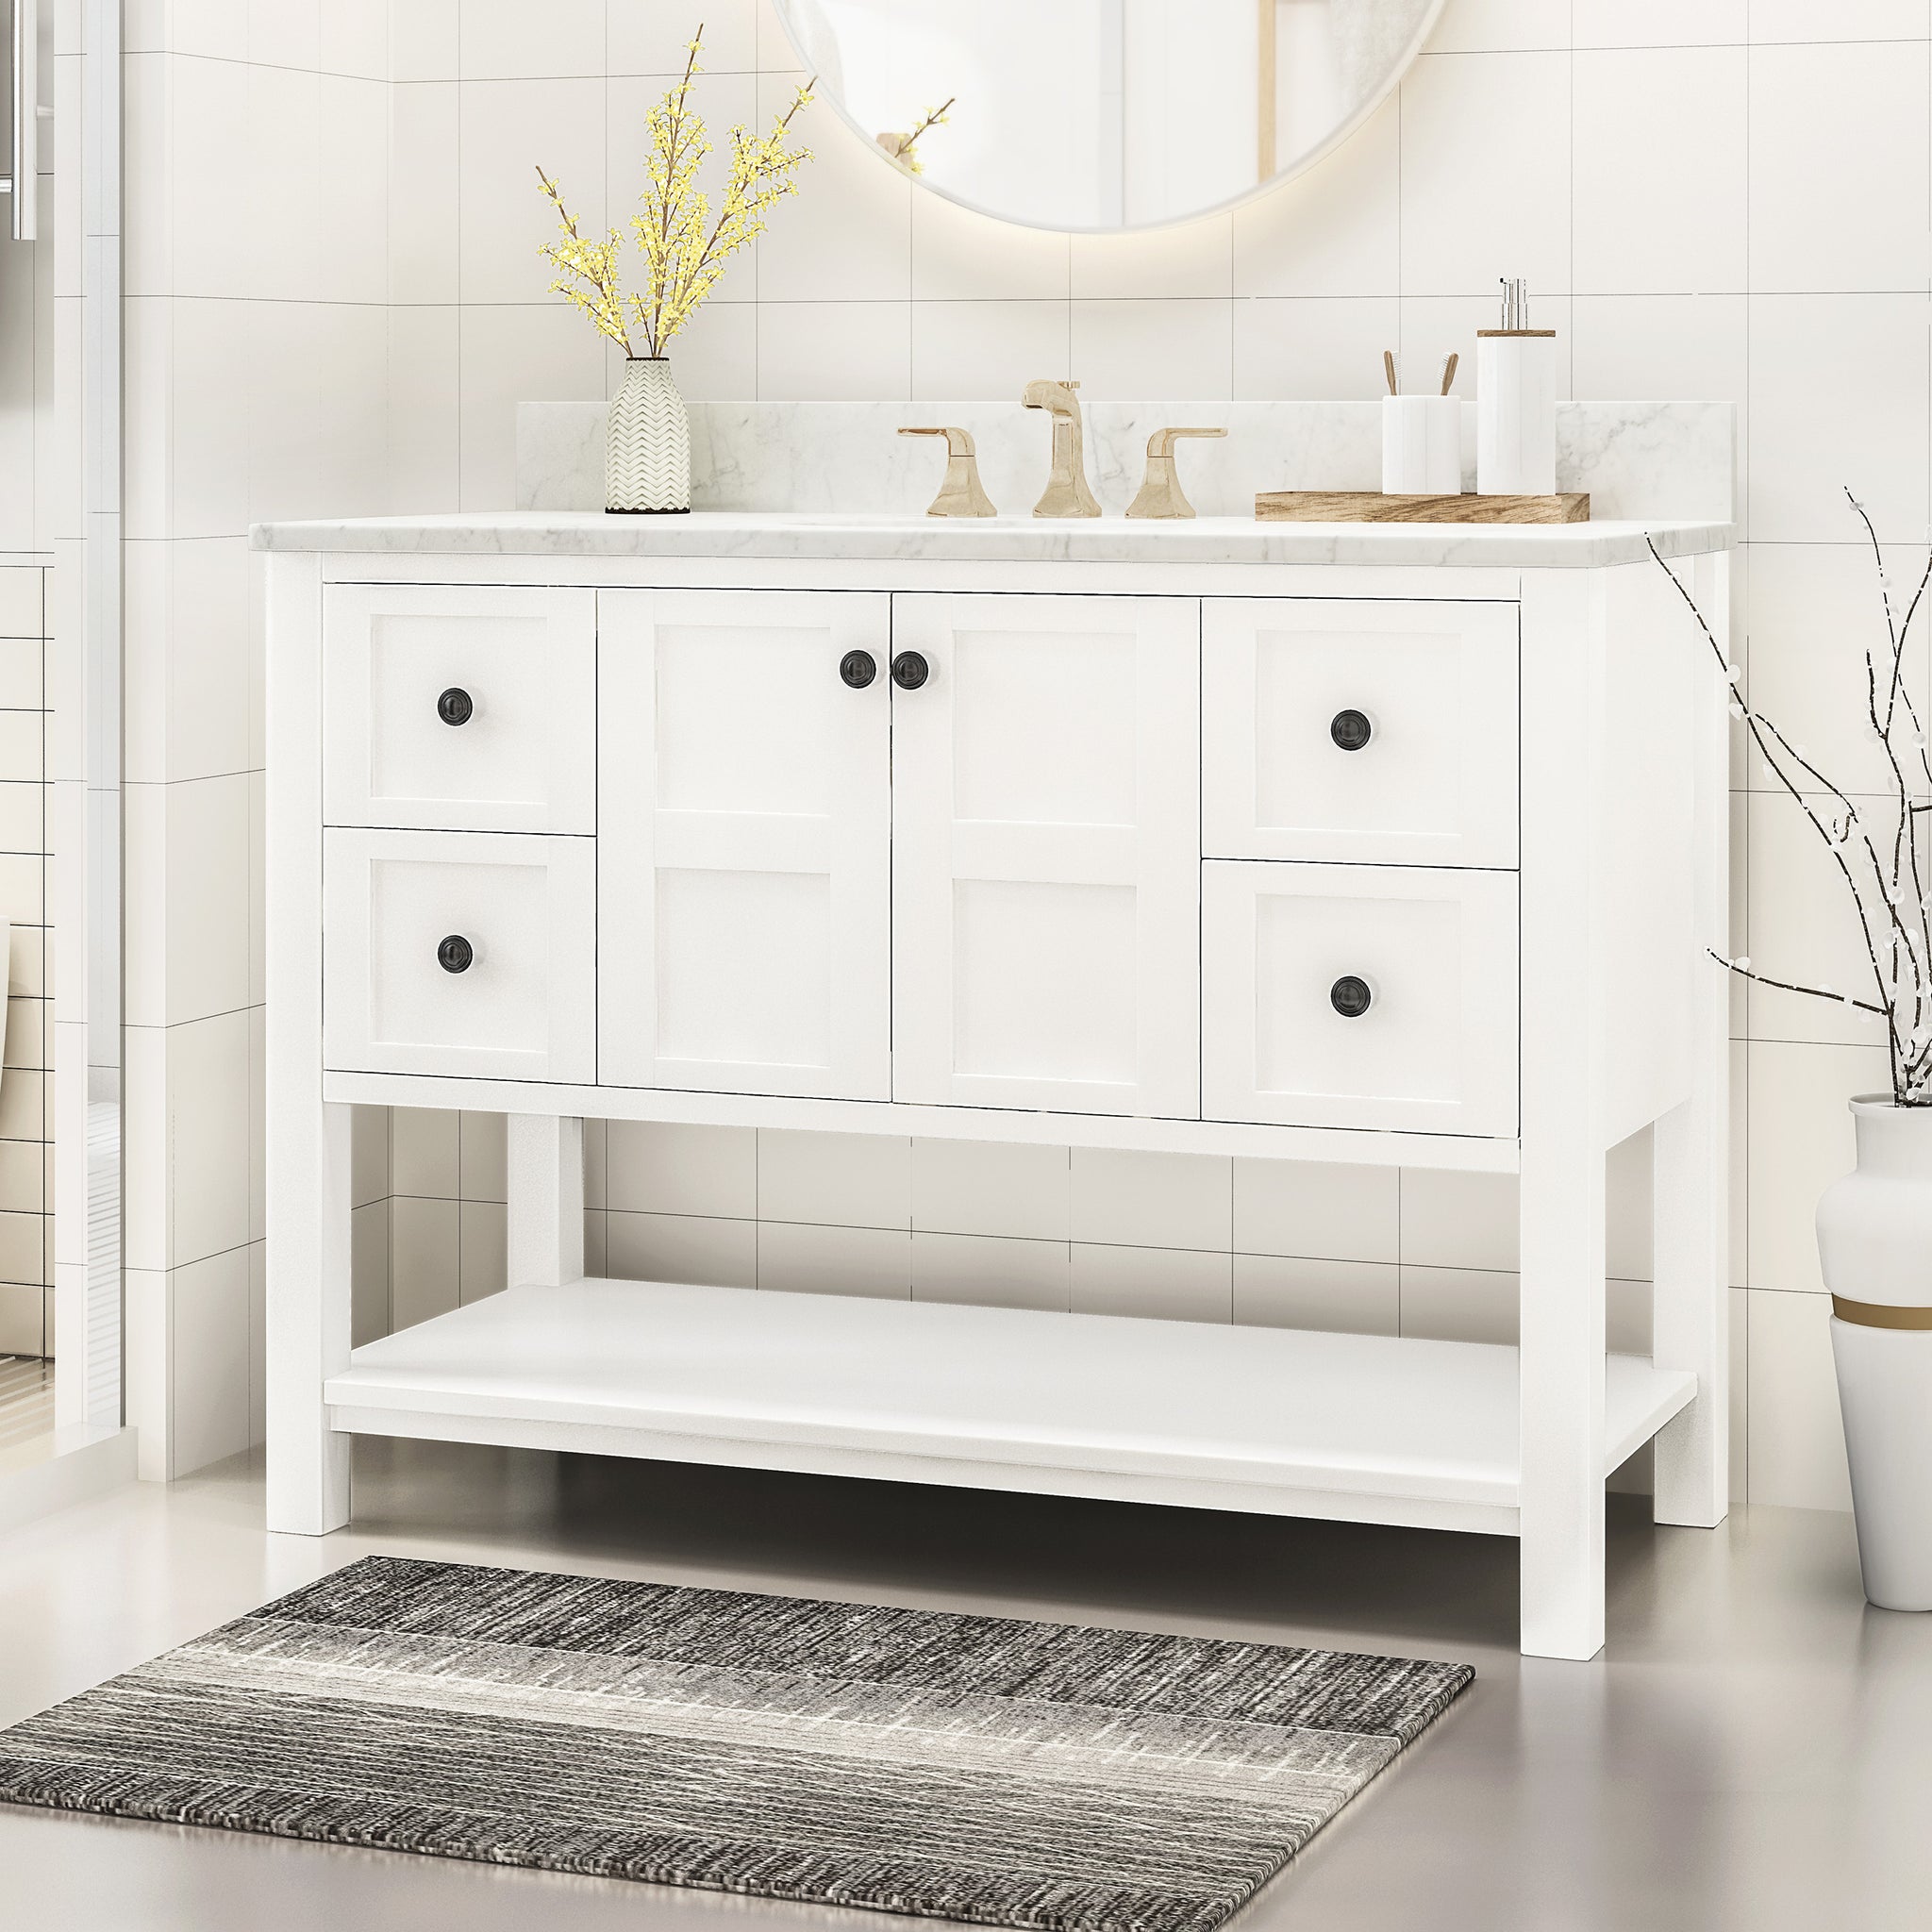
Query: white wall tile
x,y
423,40
1459,1304
369,1309
1798,1134
1314,1208
424,388
815,351
353,38
1190,258
1459,1219
991,1270
424,1260
652,39
682,1171
369,1155
1152,1200
1815,611
714,358
964,351
1164,1284
851,1180
1849,20
1659,348
991,1188
423,174
1478,26
1832,379
1824,117
847,235
507,129
510,39
1284,1291
1313,350
208,1136
1486,174
482,1259
1335,229
958,255
1176,348
285,33
482,1151
682,1247
351,238
1796,1446
424,1152
1659,23
1663,213
1803,928
209,1303
507,355
815,1260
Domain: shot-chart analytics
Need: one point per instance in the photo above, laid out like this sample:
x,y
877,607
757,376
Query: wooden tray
x,y
1372,506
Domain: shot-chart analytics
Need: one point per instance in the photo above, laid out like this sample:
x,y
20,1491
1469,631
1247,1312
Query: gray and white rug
x,y
968,1768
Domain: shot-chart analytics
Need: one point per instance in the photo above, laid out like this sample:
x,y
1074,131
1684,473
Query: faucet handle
x,y
960,494
1160,493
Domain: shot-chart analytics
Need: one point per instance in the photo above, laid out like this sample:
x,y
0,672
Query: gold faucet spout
x,y
1066,493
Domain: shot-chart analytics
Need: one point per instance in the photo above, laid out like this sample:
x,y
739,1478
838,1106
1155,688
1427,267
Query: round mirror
x,y
1106,113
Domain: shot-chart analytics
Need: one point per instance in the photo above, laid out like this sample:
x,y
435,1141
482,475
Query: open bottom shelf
x,y
1284,1422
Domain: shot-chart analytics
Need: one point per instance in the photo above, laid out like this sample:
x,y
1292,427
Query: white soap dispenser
x,y
1515,403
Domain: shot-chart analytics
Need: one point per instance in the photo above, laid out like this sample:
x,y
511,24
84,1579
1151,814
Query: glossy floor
x,y
1753,1753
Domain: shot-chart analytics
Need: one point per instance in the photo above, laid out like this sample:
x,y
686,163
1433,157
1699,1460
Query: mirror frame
x,y
1301,165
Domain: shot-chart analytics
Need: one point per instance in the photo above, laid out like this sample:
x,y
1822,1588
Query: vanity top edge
x,y
862,537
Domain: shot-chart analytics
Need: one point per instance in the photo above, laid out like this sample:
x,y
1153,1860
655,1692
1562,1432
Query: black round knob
x,y
910,670
455,706
1351,730
858,669
454,954
1350,997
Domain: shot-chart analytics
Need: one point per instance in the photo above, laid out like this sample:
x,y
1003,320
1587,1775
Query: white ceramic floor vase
x,y
647,445
1874,1244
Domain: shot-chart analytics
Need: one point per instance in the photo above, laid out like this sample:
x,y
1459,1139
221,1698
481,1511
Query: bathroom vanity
x,y
1390,844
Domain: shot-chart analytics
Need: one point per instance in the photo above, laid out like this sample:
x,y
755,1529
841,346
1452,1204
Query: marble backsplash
x,y
1637,459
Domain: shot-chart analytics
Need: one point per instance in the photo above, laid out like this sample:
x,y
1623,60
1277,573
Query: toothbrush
x,y
1449,362
1389,369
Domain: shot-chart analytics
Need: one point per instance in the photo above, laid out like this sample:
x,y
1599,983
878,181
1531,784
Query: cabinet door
x,y
1372,731
744,870
1046,853
459,707
457,953
1360,996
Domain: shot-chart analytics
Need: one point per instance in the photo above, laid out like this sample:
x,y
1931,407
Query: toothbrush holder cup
x,y
1421,446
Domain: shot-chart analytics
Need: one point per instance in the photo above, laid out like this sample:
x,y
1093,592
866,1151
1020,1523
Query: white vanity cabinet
x,y
1189,838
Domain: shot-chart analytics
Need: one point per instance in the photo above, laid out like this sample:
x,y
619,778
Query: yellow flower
x,y
684,250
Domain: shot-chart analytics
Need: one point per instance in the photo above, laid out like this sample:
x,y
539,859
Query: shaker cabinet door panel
x,y
1371,731
456,707
458,953
1046,853
744,853
1360,996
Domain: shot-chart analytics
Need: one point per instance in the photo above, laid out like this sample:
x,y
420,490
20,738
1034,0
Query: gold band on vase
x,y
1880,1314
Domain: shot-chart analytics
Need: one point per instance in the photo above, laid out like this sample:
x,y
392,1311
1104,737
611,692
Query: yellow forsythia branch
x,y
684,250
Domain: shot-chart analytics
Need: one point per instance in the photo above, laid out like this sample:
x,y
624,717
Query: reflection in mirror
x,y
1105,113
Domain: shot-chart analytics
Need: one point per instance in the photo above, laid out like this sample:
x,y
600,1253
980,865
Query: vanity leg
x,y
1561,1399
546,1199
308,1287
308,1189
1690,1154
1560,1213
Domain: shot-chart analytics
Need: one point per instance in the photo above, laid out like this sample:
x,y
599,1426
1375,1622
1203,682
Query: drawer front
x,y
459,953
1360,996
1381,733
458,709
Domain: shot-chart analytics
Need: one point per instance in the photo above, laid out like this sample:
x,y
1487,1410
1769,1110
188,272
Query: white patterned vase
x,y
648,445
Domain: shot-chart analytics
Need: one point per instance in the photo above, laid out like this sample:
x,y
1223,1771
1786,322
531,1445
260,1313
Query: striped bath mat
x,y
969,1768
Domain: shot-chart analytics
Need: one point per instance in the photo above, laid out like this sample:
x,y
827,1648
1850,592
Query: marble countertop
x,y
1109,540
